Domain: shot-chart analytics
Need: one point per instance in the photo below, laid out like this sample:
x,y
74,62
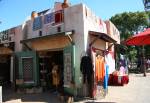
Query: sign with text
x,y
7,35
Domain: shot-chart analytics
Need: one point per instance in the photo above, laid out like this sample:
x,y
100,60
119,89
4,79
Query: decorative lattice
x,y
27,69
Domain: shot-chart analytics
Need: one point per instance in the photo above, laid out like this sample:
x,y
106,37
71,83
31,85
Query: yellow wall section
x,y
50,43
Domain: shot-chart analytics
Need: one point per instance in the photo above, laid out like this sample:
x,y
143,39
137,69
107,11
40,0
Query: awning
x,y
47,36
139,39
5,51
102,36
41,38
10,45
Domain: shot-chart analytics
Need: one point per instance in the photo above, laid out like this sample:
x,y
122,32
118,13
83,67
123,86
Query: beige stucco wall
x,y
73,19
18,37
93,23
112,31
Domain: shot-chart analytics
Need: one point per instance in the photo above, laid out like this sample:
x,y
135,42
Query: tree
x,y
130,23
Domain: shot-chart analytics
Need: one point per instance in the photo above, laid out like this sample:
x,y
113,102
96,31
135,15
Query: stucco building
x,y
60,35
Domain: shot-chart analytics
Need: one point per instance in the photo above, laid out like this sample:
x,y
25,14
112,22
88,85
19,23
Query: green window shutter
x,y
69,64
28,68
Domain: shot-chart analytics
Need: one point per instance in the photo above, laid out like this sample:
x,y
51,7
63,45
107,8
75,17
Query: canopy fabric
x,y
142,38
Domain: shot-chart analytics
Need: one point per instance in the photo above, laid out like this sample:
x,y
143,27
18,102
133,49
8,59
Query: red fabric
x,y
142,38
113,80
58,17
125,80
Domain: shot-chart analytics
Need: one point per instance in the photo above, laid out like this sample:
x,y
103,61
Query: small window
x,y
59,29
86,12
40,33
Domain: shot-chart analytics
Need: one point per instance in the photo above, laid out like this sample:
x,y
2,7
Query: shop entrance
x,y
51,70
5,61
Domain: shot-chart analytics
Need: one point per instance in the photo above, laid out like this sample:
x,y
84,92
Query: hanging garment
x,y
110,61
55,75
86,68
87,71
106,77
100,69
49,18
37,23
59,16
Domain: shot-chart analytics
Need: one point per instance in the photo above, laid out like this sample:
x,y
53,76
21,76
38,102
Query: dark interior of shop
x,y
5,70
46,65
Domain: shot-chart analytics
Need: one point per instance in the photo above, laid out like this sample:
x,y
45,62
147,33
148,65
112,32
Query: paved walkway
x,y
45,97
137,91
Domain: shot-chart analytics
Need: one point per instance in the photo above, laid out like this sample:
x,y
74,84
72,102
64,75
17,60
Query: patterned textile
x,y
27,69
37,23
49,18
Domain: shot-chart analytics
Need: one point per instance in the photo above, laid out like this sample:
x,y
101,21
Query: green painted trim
x,y
32,54
71,49
69,90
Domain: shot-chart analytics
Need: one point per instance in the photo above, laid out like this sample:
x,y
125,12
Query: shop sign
x,y
3,36
7,35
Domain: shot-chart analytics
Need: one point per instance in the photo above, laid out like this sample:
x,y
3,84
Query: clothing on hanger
x,y
86,67
100,68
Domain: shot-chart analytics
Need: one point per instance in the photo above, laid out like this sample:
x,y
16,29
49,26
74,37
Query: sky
x,y
15,12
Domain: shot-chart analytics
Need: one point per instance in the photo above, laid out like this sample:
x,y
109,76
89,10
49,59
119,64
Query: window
x,y
27,64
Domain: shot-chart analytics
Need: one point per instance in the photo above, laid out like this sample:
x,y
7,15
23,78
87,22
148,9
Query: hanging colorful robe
x,y
100,68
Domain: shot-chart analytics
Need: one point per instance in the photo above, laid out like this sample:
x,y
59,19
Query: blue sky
x,y
14,12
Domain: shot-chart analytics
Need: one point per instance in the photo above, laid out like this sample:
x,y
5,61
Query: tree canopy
x,y
130,23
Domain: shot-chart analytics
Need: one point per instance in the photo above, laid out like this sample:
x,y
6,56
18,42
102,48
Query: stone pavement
x,y
46,97
137,91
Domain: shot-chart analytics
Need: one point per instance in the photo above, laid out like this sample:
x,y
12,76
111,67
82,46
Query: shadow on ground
x,y
46,97
136,71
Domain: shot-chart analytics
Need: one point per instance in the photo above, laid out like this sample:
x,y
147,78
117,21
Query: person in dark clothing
x,y
87,72
86,67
